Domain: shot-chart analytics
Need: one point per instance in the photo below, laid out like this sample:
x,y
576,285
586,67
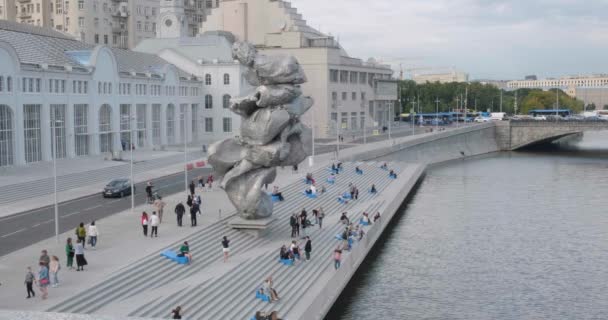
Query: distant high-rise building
x,y
116,23
531,77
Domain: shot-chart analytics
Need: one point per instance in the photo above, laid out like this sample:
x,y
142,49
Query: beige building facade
x,y
116,23
346,90
445,77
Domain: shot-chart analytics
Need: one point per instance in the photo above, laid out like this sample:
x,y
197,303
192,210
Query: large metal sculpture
x,y
271,132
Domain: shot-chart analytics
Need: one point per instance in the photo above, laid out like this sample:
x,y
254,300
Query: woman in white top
x,y
93,233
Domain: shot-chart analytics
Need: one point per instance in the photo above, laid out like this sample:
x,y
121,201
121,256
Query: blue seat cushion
x,y
360,173
171,255
275,199
311,196
262,297
346,195
339,237
287,262
331,181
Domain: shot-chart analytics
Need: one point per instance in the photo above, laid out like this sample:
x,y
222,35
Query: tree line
x,y
481,97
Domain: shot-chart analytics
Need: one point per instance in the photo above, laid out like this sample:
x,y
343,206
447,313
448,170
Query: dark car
x,y
117,188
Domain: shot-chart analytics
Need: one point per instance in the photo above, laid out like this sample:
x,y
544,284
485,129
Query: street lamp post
x,y
390,119
437,114
185,138
56,206
312,124
130,118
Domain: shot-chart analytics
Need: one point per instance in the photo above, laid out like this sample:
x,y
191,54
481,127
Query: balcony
x,y
24,15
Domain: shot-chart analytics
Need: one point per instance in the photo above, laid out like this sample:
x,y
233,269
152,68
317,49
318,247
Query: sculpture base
x,y
257,228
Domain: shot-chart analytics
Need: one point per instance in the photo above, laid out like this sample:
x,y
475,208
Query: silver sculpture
x,y
271,132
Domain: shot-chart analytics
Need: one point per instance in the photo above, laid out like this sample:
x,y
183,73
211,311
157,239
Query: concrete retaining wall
x,y
431,148
334,282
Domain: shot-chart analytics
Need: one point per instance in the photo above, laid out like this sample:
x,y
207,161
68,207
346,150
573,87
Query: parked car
x,y
117,188
540,118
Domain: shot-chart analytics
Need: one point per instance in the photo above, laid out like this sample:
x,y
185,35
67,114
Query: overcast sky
x,y
495,39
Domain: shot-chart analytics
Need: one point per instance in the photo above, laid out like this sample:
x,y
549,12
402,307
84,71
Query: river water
x,y
521,235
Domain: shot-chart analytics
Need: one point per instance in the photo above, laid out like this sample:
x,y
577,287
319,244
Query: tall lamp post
x,y
185,138
131,118
56,206
437,114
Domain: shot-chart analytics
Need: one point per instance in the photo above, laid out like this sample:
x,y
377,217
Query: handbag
x,y
43,281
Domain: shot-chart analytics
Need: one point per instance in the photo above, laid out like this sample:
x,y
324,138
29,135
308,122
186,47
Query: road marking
x,y
114,201
12,233
70,214
36,225
49,221
93,207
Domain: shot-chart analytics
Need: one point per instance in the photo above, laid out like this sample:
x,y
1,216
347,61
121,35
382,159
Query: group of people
x,y
49,265
301,221
336,168
293,251
261,315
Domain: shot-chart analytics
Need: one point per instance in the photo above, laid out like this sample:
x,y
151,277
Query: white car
x,y
482,119
540,118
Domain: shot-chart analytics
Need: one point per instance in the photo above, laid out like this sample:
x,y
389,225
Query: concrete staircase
x,y
232,295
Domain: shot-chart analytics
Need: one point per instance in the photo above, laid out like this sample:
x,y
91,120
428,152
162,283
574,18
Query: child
x,y
29,283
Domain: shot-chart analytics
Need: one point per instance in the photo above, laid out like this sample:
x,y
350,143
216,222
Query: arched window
x,y
226,101
105,128
7,152
208,79
208,101
226,78
170,124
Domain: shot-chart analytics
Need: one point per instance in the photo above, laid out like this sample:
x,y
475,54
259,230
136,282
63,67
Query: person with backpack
x,y
179,211
81,233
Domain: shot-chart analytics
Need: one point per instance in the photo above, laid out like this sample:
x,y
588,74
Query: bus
x,y
550,112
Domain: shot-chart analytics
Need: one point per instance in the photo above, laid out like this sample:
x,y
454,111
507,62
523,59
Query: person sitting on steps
x,y
276,193
373,189
184,251
344,219
392,174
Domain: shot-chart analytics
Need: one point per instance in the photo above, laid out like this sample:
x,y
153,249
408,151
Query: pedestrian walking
x,y
149,191
43,280
179,211
337,258
69,252
308,248
292,222
210,181
54,271
226,248
176,313
144,223
321,216
192,188
193,212
79,253
189,201
81,233
29,283
201,182
154,222
159,205
93,233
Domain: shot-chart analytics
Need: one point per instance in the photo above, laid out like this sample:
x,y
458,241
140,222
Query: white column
x,y
149,142
93,128
69,131
116,145
45,126
163,124
19,143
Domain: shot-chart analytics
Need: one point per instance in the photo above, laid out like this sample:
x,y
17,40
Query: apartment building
x,y
349,94
116,23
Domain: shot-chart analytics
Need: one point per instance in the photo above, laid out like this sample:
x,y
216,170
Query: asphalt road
x,y
26,228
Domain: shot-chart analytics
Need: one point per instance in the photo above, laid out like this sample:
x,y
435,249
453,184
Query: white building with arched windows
x,y
92,99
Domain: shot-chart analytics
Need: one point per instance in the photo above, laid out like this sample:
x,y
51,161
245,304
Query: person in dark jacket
x,y
192,187
308,248
189,201
193,211
292,222
179,211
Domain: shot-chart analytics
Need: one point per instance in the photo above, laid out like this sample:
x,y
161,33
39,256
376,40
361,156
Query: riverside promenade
x,y
127,277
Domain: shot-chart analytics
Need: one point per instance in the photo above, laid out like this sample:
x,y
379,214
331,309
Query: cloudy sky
x,y
497,39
